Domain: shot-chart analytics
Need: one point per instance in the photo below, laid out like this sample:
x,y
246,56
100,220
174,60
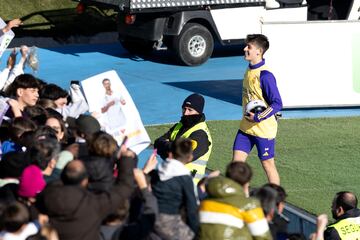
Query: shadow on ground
x,y
64,23
161,56
225,90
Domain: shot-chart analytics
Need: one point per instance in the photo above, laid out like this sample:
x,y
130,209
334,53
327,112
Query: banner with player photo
x,y
110,102
6,38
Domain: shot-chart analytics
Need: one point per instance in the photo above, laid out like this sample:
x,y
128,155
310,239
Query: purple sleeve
x,y
271,95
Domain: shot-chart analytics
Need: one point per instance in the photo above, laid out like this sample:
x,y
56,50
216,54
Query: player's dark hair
x,y
259,40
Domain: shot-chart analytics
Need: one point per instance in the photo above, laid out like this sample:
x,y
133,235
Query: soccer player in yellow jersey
x,y
259,129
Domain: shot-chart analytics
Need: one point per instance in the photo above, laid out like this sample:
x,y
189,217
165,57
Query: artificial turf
x,y
315,157
11,9
56,18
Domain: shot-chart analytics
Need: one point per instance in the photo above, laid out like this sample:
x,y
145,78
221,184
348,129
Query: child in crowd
x,y
173,187
16,223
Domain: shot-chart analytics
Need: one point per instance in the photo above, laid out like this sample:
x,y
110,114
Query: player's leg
x,y
266,153
242,146
271,171
239,156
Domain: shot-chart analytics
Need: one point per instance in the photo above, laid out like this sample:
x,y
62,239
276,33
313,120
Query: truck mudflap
x,y
146,26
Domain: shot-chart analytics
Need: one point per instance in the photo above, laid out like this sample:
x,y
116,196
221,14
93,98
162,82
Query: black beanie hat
x,y
195,101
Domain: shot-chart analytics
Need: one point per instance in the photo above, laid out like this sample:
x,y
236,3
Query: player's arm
x,y
200,143
271,95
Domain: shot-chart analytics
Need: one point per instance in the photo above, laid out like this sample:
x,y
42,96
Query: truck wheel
x,y
137,46
194,45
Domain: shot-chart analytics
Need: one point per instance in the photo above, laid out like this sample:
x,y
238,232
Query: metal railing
x,y
300,220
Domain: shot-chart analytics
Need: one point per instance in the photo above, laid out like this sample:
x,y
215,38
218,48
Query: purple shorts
x,y
245,142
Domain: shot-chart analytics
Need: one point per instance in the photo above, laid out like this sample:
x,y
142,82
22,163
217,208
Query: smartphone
x,y
124,141
118,154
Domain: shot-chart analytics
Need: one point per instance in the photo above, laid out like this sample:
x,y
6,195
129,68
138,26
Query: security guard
x,y
192,125
347,215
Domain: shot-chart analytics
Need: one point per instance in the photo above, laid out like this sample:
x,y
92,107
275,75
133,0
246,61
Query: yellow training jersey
x,y
266,128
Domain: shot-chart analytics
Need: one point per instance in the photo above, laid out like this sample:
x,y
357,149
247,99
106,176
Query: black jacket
x,y
100,171
140,228
331,233
278,228
77,213
175,193
163,144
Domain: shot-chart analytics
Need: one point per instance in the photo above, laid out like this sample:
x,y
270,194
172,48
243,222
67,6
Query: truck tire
x,y
194,45
137,46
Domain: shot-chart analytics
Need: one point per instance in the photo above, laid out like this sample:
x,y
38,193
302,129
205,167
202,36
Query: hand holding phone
x,y
151,162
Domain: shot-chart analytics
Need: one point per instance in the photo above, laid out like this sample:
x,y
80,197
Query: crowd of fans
x,y
61,177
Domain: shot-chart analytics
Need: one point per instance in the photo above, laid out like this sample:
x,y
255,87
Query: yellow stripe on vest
x,y
200,164
253,215
212,206
249,216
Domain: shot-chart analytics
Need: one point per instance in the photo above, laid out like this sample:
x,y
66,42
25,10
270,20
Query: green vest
x,y
348,229
199,165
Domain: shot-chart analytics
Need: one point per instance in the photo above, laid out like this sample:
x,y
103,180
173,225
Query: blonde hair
x,y
103,144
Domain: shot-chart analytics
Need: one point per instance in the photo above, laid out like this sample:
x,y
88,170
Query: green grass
x,y
11,9
315,157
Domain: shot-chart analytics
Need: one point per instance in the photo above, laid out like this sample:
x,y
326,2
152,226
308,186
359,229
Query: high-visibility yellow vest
x,y
348,229
199,165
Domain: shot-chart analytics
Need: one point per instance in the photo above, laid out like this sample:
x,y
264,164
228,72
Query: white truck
x,y
189,28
